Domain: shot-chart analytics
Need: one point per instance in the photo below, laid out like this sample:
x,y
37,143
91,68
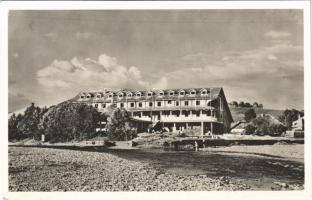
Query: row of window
x,y
150,104
149,94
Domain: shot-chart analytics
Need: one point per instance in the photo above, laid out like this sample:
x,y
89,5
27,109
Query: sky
x,y
255,55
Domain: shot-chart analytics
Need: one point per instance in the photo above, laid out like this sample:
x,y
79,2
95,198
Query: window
x,y
169,101
131,105
110,95
150,104
129,95
149,94
171,94
103,105
140,104
121,105
204,92
193,93
182,93
138,95
120,95
96,105
82,97
161,94
159,103
197,103
177,103
186,103
88,96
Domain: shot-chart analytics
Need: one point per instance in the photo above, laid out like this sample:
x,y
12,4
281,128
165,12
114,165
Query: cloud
x,y
271,57
51,36
195,56
277,34
84,35
162,83
17,101
72,76
265,74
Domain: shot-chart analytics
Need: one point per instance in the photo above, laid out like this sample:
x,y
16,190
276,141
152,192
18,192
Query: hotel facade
x,y
175,110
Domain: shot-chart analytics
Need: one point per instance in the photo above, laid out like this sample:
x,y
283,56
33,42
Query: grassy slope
x,y
238,113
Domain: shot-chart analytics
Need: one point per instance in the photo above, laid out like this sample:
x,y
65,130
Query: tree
x,y
255,105
28,125
68,121
247,105
289,116
250,114
14,132
250,129
241,104
119,127
234,103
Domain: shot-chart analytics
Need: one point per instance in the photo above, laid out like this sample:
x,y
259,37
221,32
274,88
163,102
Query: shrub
x,y
250,129
262,124
277,129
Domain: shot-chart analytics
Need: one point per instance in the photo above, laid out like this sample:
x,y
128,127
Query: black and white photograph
x,y
113,100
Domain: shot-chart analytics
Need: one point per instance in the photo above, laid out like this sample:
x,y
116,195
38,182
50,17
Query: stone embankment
x,y
40,169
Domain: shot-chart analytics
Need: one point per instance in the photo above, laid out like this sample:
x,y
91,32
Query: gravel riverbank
x,y
39,169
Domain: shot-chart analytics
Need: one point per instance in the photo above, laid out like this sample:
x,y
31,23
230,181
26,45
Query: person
x,y
196,146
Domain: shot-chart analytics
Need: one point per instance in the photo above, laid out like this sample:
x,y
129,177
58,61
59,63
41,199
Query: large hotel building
x,y
203,109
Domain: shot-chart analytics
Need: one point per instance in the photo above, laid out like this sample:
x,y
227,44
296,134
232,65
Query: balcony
x,y
181,118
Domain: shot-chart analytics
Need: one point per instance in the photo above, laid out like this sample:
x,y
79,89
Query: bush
x,y
250,129
277,129
262,124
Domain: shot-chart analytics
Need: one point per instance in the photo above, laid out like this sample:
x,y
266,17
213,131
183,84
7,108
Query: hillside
x,y
238,113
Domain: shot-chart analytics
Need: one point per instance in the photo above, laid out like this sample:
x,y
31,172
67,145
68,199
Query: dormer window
x,y
82,97
161,94
88,96
120,95
138,95
171,93
149,94
110,95
204,92
129,95
192,93
182,93
99,96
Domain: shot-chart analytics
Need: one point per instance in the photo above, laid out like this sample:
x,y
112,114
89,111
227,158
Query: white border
x,y
90,5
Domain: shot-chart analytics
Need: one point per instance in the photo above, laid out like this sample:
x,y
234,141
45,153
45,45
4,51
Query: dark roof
x,y
213,90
